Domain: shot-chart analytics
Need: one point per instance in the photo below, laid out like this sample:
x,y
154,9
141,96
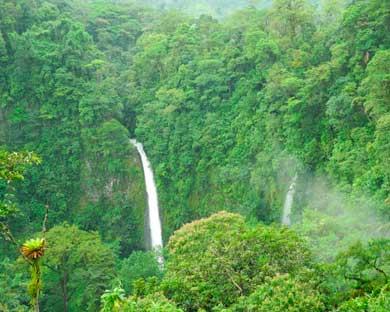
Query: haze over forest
x,y
216,8
195,156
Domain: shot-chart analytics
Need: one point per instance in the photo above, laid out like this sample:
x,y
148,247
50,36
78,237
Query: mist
x,y
215,8
331,220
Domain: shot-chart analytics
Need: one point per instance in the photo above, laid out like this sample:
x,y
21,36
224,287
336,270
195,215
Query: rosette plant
x,y
33,250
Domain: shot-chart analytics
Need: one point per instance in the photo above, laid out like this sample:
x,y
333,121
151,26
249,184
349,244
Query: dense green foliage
x,y
116,301
78,266
227,260
60,99
229,112
12,168
139,265
223,264
281,294
230,108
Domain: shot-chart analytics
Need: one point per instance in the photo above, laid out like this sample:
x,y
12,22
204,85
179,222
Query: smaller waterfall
x,y
153,209
286,218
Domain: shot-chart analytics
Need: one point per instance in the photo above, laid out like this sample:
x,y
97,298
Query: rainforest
x,y
195,156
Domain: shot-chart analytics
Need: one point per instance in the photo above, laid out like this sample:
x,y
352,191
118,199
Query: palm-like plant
x,y
33,250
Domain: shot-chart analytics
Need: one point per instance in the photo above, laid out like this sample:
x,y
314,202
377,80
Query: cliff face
x,y
113,189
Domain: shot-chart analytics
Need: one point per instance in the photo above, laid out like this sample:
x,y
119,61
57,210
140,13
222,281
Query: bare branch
x,y
44,224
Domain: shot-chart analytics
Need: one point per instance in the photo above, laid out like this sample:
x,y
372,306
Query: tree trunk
x,y
64,283
36,284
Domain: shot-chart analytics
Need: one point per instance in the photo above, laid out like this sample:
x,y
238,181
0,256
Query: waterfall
x,y
153,209
286,218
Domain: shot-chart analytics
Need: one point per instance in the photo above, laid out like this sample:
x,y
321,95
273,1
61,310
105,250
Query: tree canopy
x,y
236,104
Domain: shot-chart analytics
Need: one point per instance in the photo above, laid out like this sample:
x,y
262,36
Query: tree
x,y
381,302
12,167
292,19
279,294
139,265
79,267
155,302
115,301
216,260
366,265
377,85
13,280
371,303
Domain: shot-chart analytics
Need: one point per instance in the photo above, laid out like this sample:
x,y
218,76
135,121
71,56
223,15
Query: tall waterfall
x,y
153,209
286,218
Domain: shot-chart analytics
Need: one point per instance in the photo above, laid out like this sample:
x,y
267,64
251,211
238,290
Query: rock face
x,y
113,191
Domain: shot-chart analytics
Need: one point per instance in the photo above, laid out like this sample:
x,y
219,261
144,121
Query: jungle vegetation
x,y
232,100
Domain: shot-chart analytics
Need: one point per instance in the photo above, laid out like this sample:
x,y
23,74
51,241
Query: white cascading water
x,y
286,218
153,209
